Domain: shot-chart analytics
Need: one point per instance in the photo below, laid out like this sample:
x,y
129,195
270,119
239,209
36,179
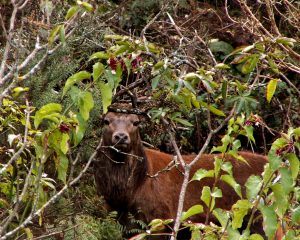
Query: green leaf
x,y
106,95
115,37
286,41
51,111
224,89
222,66
222,216
206,196
256,237
158,65
64,144
216,111
18,90
274,160
183,122
62,35
269,220
196,209
296,216
62,166
99,55
86,104
155,81
273,65
294,164
240,210
54,33
88,7
250,64
217,193
98,70
271,88
76,78
220,46
231,182
281,199
121,49
286,179
28,233
202,173
249,133
80,129
253,186
71,12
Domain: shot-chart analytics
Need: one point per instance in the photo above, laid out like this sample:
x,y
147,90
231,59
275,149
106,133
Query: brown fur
x,y
124,182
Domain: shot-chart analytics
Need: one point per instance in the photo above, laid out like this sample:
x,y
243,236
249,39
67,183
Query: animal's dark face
x,y
121,130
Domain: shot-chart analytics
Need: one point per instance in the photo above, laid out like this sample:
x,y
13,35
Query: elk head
x,y
121,131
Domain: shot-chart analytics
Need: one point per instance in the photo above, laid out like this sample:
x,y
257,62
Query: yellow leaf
x,y
271,88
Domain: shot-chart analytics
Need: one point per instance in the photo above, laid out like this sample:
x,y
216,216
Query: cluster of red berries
x,y
113,62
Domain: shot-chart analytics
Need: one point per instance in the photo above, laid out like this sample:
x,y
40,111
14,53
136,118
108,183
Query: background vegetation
x,y
190,63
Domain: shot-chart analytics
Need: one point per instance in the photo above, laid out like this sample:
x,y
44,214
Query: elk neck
x,y
120,174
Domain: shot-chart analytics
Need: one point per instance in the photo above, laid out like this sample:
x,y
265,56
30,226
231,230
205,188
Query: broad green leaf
x,y
222,216
296,216
64,144
71,12
250,64
99,55
216,111
98,70
269,220
86,104
80,129
196,209
227,167
159,224
206,196
231,181
220,46
294,163
106,95
271,88
62,166
217,193
202,173
240,210
281,199
51,111
274,160
249,133
253,186
54,33
76,78
286,179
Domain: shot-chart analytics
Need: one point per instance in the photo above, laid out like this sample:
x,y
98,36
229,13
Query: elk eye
x,y
136,123
106,122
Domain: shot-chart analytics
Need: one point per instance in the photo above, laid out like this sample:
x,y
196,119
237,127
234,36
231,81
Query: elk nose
x,y
120,137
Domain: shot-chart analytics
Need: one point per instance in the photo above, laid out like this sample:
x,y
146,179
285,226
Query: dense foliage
x,y
199,66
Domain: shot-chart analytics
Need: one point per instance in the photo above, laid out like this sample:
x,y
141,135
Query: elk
x,y
123,170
